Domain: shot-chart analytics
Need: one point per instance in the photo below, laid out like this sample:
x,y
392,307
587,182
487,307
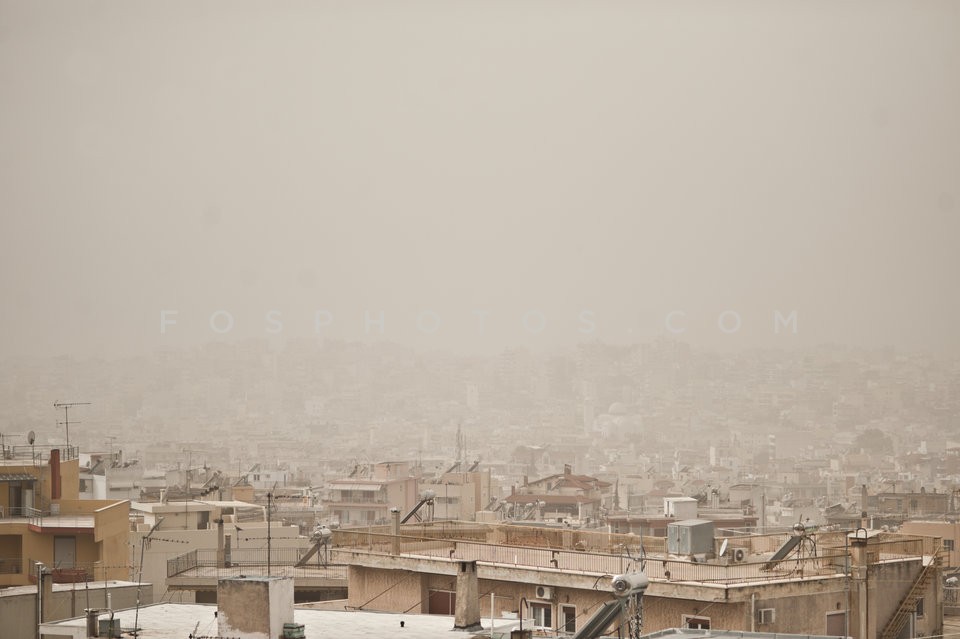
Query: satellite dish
x,y
31,436
723,547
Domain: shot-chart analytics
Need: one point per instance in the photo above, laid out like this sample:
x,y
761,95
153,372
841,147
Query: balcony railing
x,y
18,511
11,565
352,499
77,573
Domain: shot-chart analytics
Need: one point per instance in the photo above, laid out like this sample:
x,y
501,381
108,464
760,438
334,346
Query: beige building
x,y
948,531
561,497
882,585
18,604
42,519
366,497
460,495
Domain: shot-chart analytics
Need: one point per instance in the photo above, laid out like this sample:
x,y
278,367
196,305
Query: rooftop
x,y
13,591
696,632
176,621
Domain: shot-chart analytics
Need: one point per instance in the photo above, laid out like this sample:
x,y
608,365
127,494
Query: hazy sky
x,y
628,159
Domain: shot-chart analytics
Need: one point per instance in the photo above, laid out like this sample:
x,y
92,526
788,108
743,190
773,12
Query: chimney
x,y
396,529
567,469
467,613
93,616
46,586
254,607
55,473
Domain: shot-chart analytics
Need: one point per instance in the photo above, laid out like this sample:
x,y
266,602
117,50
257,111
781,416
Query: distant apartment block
x,y
562,497
367,495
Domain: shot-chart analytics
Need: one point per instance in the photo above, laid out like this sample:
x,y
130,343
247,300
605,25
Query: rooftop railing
x,y
252,562
594,563
38,453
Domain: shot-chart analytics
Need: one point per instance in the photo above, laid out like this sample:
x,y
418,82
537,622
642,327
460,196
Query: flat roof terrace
x,y
676,576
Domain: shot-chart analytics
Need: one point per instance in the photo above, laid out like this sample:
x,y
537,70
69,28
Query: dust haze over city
x,y
676,246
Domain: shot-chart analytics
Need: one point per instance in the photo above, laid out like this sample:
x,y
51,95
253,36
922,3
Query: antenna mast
x,y
461,453
66,415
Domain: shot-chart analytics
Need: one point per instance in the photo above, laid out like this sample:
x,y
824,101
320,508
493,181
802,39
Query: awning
x,y
357,486
17,477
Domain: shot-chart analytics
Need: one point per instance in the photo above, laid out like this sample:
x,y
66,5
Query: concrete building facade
x,y
42,519
881,585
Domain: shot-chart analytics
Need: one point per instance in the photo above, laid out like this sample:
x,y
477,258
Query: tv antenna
x,y
66,415
270,498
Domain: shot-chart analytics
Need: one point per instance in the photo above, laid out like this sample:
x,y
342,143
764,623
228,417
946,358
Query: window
x,y
920,607
948,544
568,618
697,623
542,615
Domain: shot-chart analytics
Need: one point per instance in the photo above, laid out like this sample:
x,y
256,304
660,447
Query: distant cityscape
x,y
311,410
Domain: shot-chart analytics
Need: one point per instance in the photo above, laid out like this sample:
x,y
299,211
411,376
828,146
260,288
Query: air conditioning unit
x,y
544,592
766,616
739,555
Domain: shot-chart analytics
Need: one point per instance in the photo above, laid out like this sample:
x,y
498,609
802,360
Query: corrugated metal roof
x,y
17,477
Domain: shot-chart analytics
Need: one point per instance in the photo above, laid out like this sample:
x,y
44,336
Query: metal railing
x,y
40,453
252,561
11,565
18,511
333,501
591,563
181,563
76,573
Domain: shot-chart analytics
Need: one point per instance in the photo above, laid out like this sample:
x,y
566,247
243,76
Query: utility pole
x,y
66,415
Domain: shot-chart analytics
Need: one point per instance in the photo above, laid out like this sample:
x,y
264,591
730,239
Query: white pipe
x,y
491,615
753,612
39,598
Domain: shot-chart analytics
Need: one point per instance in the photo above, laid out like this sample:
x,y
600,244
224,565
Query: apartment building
x,y
871,584
460,494
561,497
367,495
43,520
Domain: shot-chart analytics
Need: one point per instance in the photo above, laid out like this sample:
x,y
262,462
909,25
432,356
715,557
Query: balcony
x,y
78,573
11,565
355,500
18,512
